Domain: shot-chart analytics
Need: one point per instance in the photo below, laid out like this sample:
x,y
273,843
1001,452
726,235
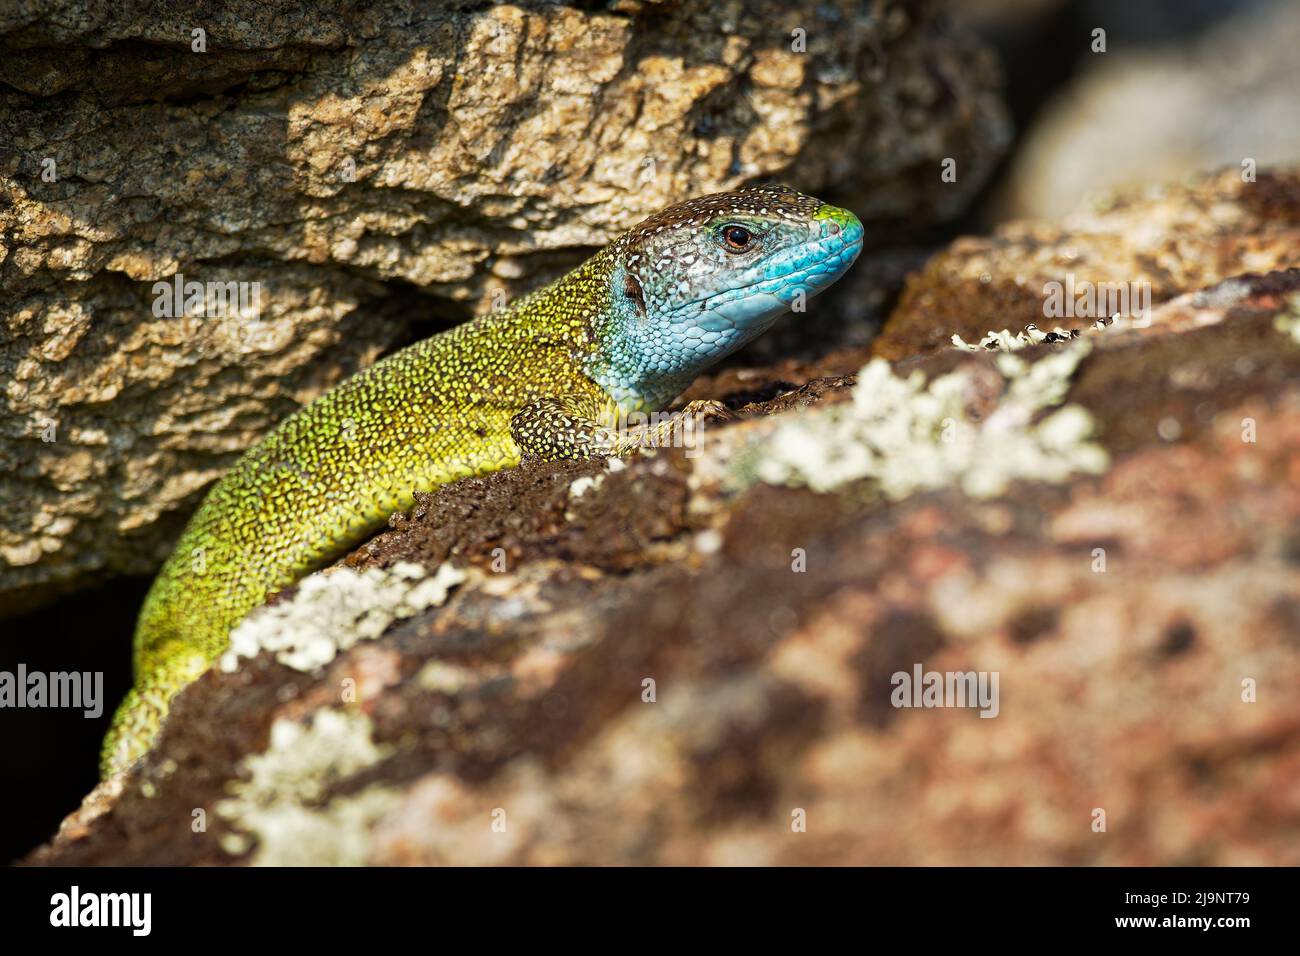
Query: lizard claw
x,y
709,410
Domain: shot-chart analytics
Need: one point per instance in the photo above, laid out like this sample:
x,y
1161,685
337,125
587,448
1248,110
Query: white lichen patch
x,y
331,612
583,484
909,435
1288,322
444,678
281,808
1008,341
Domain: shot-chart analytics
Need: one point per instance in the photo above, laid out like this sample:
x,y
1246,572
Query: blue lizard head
x,y
696,282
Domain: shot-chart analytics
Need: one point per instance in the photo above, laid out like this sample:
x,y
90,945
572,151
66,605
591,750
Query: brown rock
x,y
1163,241
1143,624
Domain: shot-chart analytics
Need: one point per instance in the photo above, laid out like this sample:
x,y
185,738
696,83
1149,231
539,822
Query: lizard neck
x,y
604,333
619,367
636,355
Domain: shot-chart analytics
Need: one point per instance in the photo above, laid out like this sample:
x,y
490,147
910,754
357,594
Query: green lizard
x,y
625,332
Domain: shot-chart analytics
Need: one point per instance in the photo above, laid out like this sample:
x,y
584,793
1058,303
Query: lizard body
x,y
626,331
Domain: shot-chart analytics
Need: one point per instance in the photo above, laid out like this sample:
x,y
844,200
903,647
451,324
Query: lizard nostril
x,y
835,228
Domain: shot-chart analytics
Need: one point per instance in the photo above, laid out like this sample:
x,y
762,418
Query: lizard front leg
x,y
568,426
580,427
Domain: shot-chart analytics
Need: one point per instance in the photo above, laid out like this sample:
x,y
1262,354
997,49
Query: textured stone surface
x,y
493,146
1167,239
522,702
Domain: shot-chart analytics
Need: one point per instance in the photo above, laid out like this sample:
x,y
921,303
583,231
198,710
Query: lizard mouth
x,y
847,252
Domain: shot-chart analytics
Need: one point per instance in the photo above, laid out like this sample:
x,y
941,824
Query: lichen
x,y
331,612
583,484
907,435
445,678
1288,322
1008,341
282,805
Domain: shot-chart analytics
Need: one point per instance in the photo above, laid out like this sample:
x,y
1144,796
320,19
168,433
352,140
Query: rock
x,y
1151,245
1157,112
693,657
377,171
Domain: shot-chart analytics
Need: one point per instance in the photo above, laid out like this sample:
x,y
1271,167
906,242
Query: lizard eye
x,y
736,238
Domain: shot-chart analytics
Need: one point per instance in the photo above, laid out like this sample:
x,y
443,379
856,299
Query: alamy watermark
x,y
176,298
653,430
75,908
922,688
1074,299
78,690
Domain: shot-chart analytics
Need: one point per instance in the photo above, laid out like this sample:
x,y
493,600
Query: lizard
x,y
549,377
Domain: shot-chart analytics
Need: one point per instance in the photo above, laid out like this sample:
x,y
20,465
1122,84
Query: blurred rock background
x,y
1183,86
